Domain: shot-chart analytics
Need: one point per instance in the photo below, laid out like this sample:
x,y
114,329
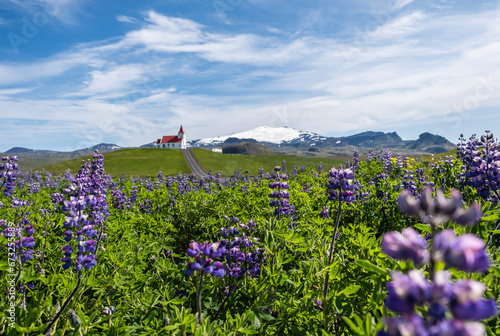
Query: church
x,y
172,141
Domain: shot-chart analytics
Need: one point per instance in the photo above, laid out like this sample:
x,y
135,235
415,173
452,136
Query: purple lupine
x,y
466,252
371,155
280,196
145,207
355,159
340,185
242,255
399,162
204,254
407,291
408,245
88,192
481,160
463,299
325,213
387,162
8,175
409,182
440,209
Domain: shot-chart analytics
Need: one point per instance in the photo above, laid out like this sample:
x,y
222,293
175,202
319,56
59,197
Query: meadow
x,y
385,245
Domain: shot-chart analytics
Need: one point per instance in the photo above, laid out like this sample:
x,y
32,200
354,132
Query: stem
x,y
222,306
198,296
99,238
45,233
330,258
432,261
65,305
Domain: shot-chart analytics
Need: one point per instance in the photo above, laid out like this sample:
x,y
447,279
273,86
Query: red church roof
x,y
169,139
181,130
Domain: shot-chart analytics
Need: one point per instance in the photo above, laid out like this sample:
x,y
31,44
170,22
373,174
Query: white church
x,y
172,141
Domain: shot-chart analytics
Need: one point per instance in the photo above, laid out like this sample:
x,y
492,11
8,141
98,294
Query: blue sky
x,y
74,73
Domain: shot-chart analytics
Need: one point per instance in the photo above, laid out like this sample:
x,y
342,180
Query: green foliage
x,y
140,267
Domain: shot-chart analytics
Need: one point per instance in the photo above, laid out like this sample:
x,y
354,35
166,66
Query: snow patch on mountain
x,y
275,135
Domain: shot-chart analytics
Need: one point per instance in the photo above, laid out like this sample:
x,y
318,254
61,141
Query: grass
x,y
27,163
436,157
227,164
132,162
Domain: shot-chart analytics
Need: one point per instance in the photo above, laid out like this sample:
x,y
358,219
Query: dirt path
x,y
193,164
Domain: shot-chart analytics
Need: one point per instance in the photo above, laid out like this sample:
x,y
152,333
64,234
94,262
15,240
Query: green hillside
x,y
133,162
149,161
227,164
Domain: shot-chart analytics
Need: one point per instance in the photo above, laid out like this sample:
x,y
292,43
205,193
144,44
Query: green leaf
x,y
423,227
368,266
352,327
490,218
350,290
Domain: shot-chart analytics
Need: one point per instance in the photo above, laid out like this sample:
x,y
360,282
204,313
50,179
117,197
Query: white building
x,y
172,141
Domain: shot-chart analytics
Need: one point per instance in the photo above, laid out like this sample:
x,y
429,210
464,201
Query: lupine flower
x,y
7,174
88,192
440,209
466,252
463,299
204,253
406,291
387,162
481,159
408,245
340,184
325,213
355,160
280,196
467,302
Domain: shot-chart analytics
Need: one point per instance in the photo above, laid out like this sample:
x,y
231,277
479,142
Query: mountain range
x,y
266,140
286,140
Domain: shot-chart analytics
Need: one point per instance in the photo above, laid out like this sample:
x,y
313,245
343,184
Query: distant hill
x,y
246,148
35,158
431,143
148,145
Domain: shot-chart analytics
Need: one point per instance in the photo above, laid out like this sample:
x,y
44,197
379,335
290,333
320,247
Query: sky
x,y
75,73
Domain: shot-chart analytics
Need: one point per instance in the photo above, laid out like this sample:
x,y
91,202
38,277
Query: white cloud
x,y
63,10
398,4
401,25
128,19
415,68
116,79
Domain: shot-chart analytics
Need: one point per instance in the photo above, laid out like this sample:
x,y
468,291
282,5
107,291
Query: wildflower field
x,y
385,246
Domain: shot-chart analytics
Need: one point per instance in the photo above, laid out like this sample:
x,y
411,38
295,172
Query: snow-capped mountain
x,y
264,134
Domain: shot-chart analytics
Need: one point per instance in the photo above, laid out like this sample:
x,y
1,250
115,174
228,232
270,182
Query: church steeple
x,y
180,135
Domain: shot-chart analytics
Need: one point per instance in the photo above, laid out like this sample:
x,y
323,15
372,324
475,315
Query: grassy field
x,y
428,159
149,161
227,164
132,162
